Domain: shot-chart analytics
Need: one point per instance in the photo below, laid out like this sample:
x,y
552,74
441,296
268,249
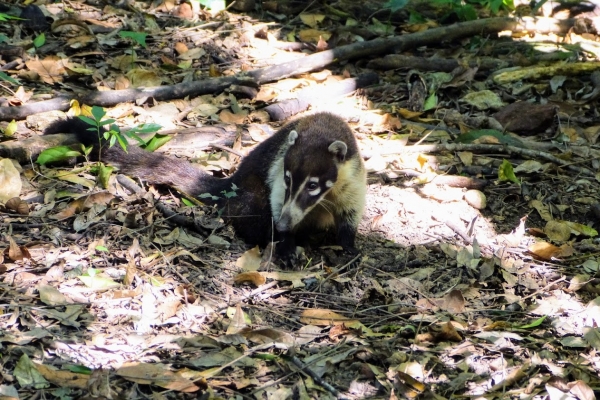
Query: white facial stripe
x,y
313,179
329,184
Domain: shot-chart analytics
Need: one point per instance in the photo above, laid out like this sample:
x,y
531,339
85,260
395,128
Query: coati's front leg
x,y
346,231
286,246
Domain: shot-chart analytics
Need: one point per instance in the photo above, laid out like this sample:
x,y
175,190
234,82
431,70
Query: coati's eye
x,y
287,180
312,186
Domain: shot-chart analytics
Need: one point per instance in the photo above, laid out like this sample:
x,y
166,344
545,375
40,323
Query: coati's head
x,y
311,166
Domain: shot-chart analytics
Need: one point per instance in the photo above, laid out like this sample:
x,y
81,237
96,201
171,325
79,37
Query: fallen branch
x,y
276,72
494,148
183,140
306,97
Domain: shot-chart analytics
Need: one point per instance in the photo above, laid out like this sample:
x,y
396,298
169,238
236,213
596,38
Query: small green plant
x,y
225,194
5,17
138,37
111,135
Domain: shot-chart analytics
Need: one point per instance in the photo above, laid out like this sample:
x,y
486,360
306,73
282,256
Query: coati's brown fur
x,y
308,175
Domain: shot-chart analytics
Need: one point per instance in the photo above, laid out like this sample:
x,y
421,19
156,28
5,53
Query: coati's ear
x,y
339,149
292,137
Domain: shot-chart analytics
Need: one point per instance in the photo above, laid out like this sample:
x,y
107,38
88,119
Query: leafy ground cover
x,y
478,271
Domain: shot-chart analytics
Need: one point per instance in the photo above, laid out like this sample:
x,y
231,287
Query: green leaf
x,y
395,5
102,248
431,102
187,202
156,142
10,129
106,122
145,128
6,17
534,324
506,172
80,369
104,173
7,78
55,154
98,113
138,37
466,13
208,196
214,5
122,141
581,229
98,282
39,40
87,120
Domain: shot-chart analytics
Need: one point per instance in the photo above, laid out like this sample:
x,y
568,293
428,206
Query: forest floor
x,y
478,272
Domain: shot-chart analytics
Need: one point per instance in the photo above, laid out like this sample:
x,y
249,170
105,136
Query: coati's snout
x,y
302,198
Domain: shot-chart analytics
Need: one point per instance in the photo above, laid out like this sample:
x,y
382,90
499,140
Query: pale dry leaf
x,y
322,317
454,302
238,321
51,296
10,180
156,374
250,260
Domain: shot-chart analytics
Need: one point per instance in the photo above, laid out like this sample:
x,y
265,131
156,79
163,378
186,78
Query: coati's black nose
x,y
283,225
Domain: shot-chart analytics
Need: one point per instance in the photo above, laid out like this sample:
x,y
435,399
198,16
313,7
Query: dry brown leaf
x,y
156,374
427,305
250,260
253,277
181,48
582,390
321,44
231,118
410,381
313,35
63,378
544,250
444,333
14,251
454,302
513,376
312,20
269,335
50,69
18,205
322,317
84,203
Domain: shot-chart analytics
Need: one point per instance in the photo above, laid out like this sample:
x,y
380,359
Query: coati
x,y
308,175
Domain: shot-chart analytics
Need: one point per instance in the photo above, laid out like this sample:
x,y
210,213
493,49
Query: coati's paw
x,y
351,250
